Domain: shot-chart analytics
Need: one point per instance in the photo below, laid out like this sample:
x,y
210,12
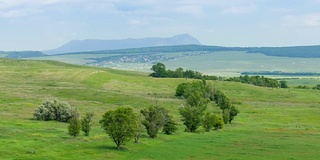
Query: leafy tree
x,y
233,112
226,116
86,123
317,87
218,122
74,124
170,126
208,121
120,125
191,117
139,129
155,118
283,84
222,100
159,70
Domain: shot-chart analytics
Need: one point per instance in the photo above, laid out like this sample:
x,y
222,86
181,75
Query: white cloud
x,y
137,22
190,9
240,9
309,20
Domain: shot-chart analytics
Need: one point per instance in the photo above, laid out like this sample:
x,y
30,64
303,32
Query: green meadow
x,y
273,123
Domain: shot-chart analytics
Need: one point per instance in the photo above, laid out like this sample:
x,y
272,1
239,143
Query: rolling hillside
x,y
272,124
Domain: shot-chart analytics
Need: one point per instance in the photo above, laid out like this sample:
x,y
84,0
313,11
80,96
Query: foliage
x,y
170,126
191,117
54,110
218,122
159,70
139,129
74,124
233,112
86,123
284,84
226,116
256,80
208,121
155,118
120,125
317,87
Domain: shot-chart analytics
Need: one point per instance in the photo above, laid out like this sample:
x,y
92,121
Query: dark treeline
x,y
279,73
259,81
159,70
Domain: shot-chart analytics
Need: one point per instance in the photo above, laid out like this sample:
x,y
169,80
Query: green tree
x,y
233,112
170,126
208,121
74,124
86,123
155,118
283,84
218,122
226,116
120,125
139,129
159,70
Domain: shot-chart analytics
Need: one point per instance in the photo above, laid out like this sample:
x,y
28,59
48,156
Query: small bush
x,y
86,123
53,110
170,126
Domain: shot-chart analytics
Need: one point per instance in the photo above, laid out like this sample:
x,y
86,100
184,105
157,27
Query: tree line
x,y
160,71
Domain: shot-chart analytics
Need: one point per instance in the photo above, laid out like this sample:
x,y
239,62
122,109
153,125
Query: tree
x,y
283,84
120,125
170,126
155,118
139,129
159,70
212,121
86,123
218,122
191,117
226,116
74,124
233,112
208,121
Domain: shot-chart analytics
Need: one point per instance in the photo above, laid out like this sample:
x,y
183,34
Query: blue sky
x,y
47,24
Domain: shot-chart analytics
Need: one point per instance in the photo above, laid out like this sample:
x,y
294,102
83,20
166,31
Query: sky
x,y
48,24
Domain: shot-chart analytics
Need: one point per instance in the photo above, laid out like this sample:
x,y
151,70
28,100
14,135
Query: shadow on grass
x,y
108,147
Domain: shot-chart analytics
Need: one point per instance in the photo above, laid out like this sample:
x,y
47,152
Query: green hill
x,y
272,124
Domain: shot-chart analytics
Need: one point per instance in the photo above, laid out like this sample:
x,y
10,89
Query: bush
x,y
74,124
86,123
218,122
170,126
54,110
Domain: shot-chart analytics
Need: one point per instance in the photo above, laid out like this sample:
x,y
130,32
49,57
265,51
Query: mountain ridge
x,y
98,44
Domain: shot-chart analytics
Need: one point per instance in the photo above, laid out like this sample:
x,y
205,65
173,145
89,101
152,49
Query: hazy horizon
x,y
48,24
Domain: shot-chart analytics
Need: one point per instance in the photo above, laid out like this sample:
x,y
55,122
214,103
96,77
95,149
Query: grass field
x,y
272,124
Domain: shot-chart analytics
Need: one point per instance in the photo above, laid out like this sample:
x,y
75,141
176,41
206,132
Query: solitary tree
x,y
120,124
86,123
74,124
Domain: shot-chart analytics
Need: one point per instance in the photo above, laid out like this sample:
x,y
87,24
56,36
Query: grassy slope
x,y
273,123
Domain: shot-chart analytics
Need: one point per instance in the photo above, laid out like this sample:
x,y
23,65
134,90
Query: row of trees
x,y
159,70
198,94
259,81
121,124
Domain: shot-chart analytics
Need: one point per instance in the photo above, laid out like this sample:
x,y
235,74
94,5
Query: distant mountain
x,y
95,44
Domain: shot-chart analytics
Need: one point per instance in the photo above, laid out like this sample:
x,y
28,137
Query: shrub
x,y
170,126
54,110
86,123
74,124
